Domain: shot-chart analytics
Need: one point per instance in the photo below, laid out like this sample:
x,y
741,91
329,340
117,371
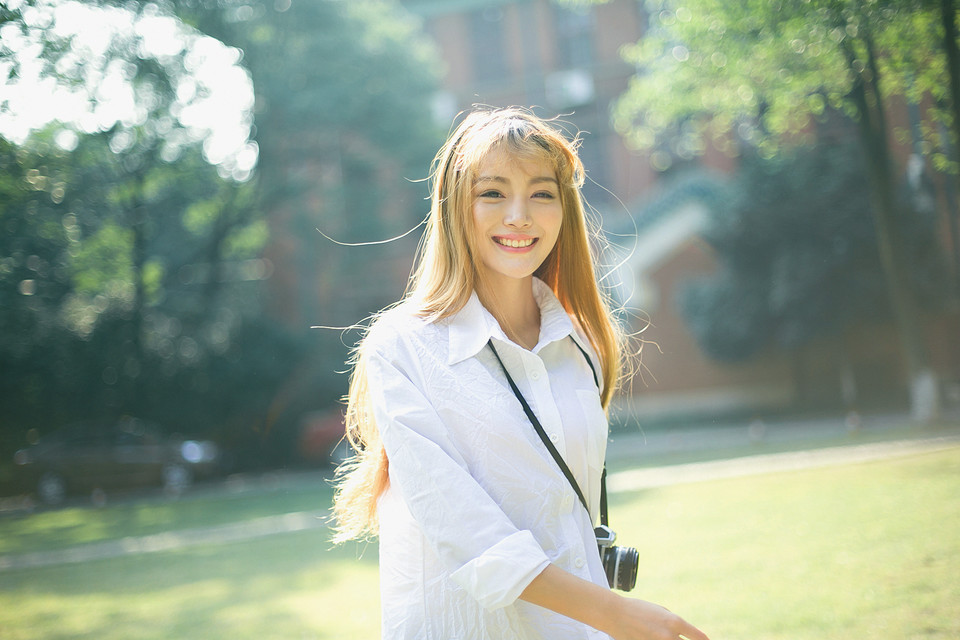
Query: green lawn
x,y
862,551
55,529
288,586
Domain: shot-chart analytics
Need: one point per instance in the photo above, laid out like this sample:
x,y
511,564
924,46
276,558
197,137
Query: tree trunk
x,y
849,390
214,259
948,15
951,210
868,100
134,403
139,215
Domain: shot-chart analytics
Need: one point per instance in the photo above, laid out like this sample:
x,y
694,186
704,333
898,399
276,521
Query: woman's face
x,y
517,215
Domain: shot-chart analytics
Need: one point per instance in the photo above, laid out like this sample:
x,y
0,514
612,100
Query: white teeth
x,y
516,244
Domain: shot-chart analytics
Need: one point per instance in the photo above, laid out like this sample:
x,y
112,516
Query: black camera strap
x,y
546,440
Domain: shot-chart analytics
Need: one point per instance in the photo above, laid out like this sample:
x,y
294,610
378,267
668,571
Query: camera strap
x,y
546,440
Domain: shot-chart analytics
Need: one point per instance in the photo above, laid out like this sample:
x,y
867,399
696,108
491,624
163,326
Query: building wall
x,y
859,370
559,61
504,53
517,52
676,378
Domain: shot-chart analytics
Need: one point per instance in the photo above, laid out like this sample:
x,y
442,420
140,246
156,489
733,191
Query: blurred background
x,y
188,188
202,201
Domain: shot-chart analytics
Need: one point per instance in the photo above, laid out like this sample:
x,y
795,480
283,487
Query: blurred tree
x,y
760,72
798,255
344,127
126,249
132,255
107,303
343,123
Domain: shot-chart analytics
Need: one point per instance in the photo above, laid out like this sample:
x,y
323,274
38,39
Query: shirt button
x,y
554,438
535,375
578,563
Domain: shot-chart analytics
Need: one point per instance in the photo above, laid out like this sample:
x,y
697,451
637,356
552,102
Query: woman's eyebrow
x,y
545,179
503,180
490,179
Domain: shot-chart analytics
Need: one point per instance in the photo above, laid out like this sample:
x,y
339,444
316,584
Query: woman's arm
x,y
621,618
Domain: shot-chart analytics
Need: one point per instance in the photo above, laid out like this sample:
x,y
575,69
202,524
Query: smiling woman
x,y
205,95
482,534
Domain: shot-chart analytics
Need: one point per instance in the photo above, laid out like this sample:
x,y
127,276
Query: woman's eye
x,y
489,194
544,194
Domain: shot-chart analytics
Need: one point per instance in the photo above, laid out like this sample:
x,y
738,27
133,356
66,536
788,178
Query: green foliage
x,y
131,269
337,109
798,255
247,240
73,325
345,135
200,216
102,263
760,71
758,74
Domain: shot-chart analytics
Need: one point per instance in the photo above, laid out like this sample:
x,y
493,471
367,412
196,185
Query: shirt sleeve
x,y
483,551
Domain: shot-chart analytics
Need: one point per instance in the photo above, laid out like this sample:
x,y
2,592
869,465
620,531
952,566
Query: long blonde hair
x,y
446,274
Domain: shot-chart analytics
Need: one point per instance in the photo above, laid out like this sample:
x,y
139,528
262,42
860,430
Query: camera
x,y
619,563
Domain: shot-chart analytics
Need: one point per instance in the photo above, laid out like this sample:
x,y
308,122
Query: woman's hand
x,y
621,618
640,620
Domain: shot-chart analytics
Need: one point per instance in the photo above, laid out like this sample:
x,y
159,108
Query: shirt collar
x,y
472,326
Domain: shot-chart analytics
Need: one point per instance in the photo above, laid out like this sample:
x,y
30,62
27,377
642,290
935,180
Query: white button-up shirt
x,y
476,507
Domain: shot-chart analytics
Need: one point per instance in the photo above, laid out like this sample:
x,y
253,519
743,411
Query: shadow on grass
x,y
214,505
865,550
292,585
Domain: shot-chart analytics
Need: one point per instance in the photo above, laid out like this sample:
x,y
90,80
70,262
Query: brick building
x,y
559,60
566,62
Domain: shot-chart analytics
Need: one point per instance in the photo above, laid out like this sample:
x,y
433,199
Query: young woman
x,y
481,535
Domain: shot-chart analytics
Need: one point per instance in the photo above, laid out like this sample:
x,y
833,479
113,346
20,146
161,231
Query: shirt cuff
x,y
498,577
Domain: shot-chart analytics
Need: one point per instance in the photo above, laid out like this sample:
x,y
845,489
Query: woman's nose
x,y
517,214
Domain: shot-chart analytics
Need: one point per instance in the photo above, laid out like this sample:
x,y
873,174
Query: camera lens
x,y
620,565
627,574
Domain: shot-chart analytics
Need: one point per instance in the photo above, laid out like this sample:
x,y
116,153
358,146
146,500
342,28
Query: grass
x,y
270,495
867,550
289,586
56,529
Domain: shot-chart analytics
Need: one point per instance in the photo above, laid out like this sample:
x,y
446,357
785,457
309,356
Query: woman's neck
x,y
512,303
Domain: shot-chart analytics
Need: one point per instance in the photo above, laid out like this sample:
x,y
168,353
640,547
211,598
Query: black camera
x,y
619,563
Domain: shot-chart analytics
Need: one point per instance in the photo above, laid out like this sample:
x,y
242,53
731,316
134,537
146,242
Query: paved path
x,y
638,479
169,541
625,481
712,440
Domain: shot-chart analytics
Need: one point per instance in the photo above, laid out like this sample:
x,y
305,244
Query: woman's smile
x,y
515,244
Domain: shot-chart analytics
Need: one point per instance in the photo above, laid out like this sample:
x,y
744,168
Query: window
x,y
575,27
487,44
592,155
